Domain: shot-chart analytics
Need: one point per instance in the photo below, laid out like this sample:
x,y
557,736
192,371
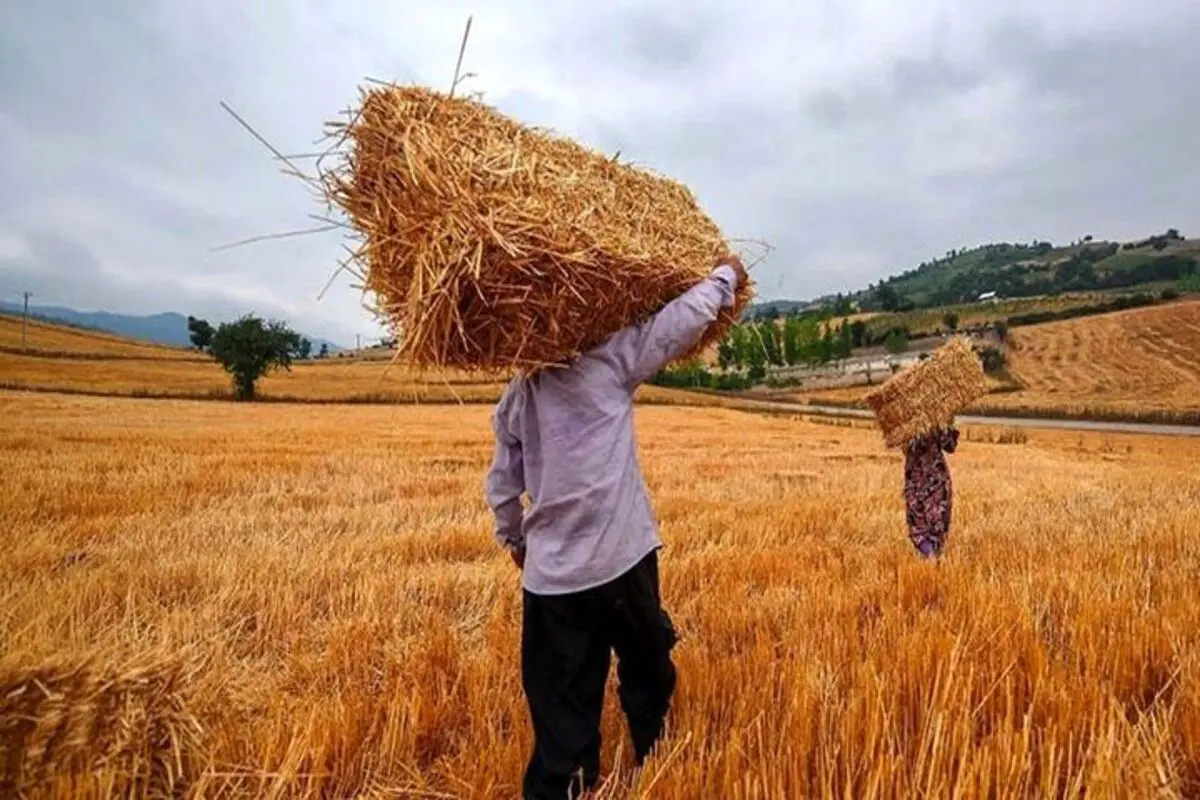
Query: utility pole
x,y
24,318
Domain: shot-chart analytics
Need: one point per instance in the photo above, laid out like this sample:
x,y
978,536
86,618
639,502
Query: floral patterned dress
x,y
927,490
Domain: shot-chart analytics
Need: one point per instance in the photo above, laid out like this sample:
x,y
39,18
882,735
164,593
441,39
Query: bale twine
x,y
81,727
929,394
493,246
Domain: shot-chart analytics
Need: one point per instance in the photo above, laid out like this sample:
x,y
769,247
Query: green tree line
x,y
798,340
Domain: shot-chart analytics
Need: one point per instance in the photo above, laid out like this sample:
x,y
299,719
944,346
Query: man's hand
x,y
518,556
735,263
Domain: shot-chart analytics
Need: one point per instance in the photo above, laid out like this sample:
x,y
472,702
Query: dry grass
x,y
327,581
489,244
331,381
47,338
1133,360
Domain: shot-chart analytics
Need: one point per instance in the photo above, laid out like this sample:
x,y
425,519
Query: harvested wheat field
x,y
306,601
60,340
1143,359
324,381
1142,364
327,380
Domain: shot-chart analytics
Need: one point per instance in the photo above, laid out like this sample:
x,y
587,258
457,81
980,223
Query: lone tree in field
x,y
950,320
200,333
250,348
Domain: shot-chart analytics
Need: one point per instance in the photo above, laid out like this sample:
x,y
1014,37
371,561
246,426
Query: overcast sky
x,y
858,137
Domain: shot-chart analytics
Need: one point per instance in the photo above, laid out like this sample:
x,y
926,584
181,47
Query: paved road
x,y
1136,428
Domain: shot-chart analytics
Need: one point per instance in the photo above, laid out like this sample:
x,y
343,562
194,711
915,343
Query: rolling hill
x,y
1146,358
1142,364
70,360
1037,268
1015,271
58,339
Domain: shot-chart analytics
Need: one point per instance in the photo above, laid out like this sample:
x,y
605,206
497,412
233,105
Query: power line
x,y
25,319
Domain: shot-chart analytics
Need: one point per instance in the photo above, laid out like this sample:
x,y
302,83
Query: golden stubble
x,y
303,601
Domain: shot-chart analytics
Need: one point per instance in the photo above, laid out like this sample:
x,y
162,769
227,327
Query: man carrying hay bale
x,y
588,544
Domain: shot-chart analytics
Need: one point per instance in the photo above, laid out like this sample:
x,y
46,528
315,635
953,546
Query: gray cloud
x,y
858,138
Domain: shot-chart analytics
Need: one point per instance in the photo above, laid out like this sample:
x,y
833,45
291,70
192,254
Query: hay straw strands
x,y
928,395
497,246
293,169
273,236
462,50
94,722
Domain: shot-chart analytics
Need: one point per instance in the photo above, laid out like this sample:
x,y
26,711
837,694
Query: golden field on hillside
x,y
1140,365
1143,362
325,380
1139,359
62,359
329,381
59,339
286,600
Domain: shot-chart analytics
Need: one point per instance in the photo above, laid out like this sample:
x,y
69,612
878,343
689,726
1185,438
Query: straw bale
x,y
122,729
928,395
489,245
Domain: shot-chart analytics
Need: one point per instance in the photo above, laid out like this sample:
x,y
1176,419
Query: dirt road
x,y
1134,428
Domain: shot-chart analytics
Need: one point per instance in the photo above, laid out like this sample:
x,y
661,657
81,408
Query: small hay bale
x,y
79,726
493,246
928,395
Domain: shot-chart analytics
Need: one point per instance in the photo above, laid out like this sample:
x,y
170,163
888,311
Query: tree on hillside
x,y
200,333
858,333
755,351
825,345
887,297
845,346
727,356
250,348
792,334
769,334
950,320
739,342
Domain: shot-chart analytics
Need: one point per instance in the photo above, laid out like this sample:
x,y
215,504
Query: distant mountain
x,y
780,308
167,328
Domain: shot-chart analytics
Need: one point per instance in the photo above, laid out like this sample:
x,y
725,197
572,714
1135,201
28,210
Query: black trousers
x,y
566,641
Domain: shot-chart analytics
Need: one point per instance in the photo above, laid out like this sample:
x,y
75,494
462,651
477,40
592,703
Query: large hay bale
x,y
928,395
85,727
490,245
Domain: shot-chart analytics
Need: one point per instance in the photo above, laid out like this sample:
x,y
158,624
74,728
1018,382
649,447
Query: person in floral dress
x,y
927,490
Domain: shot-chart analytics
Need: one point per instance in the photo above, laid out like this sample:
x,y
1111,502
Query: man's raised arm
x,y
640,351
